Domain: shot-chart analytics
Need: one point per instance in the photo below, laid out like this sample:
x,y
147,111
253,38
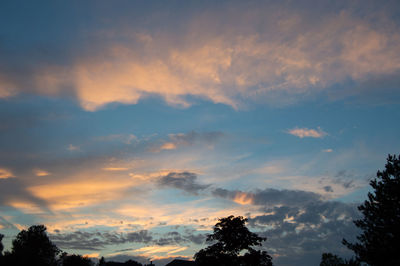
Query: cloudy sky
x,y
129,127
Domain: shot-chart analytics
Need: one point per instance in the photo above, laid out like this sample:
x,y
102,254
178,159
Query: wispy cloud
x,y
124,138
5,173
73,148
41,172
307,133
115,168
168,146
178,140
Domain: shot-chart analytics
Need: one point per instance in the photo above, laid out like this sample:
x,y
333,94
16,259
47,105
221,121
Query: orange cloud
x,y
115,169
92,255
82,191
5,173
40,172
168,146
230,68
243,198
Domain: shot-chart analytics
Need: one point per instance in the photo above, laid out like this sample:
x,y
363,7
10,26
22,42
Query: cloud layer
x,y
228,55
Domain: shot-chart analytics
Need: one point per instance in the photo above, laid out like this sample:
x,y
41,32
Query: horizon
x,y
129,128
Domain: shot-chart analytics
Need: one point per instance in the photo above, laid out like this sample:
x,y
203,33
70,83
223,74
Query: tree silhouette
x,y
232,237
1,245
75,260
33,247
378,243
102,262
328,259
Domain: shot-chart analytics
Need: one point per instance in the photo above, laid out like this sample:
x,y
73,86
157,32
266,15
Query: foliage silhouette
x,y
378,243
32,247
75,260
328,259
1,245
102,262
232,237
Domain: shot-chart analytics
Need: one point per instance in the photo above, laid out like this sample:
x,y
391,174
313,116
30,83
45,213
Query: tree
x,y
102,262
1,245
75,260
381,222
232,237
328,259
33,247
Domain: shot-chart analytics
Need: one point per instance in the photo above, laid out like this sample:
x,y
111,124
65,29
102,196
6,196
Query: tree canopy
x,y
1,245
33,247
231,237
75,260
378,242
329,259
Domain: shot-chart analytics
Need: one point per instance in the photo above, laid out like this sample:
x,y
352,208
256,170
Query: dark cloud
x,y
175,237
270,196
300,234
299,225
192,137
328,188
11,189
185,181
345,179
98,240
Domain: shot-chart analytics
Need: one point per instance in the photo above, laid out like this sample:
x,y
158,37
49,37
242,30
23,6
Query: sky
x,y
129,127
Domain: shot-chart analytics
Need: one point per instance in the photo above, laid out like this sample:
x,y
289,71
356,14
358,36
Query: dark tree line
x,y
32,247
231,237
378,244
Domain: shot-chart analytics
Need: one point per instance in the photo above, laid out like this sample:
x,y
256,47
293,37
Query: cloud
x,y
115,168
168,146
327,150
307,133
98,240
5,173
73,148
268,196
299,225
299,235
251,53
174,237
15,194
40,172
328,188
83,189
178,140
124,138
185,181
152,251
345,178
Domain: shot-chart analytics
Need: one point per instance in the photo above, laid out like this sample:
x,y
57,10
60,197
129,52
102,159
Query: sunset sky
x,y
129,127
